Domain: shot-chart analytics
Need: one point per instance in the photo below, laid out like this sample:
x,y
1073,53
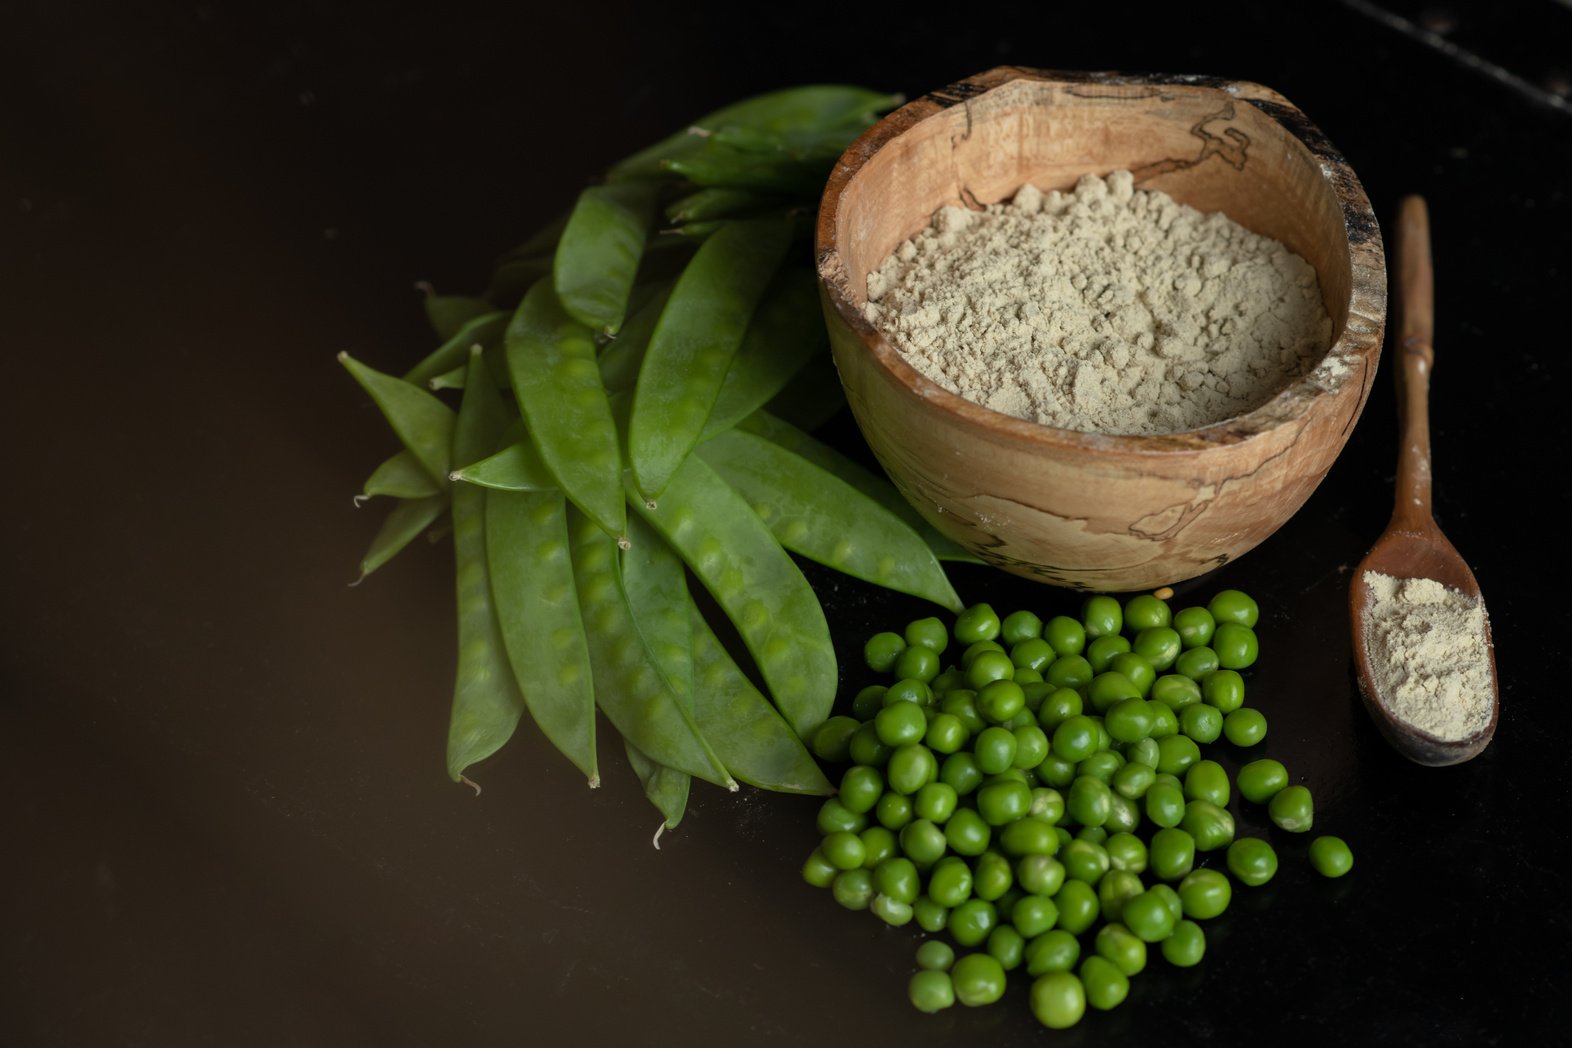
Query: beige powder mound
x,y
1106,310
1426,644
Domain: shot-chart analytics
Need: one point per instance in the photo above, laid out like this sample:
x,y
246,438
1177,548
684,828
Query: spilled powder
x,y
1108,309
1426,644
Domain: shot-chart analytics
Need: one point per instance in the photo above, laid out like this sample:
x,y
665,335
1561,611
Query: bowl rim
x,y
1358,346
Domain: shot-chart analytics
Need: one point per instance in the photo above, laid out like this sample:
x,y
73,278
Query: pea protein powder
x,y
1426,644
1107,310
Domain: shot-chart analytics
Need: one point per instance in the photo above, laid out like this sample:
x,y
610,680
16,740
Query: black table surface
x,y
226,818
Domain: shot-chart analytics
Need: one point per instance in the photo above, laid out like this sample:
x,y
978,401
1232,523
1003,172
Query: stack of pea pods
x,y
659,349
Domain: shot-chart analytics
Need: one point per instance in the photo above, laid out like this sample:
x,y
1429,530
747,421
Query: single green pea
x,y
1115,887
1007,945
992,876
1067,636
1126,852
1106,986
897,877
1130,720
1108,689
1019,626
868,701
835,817
1171,854
1075,739
878,844
953,677
1122,947
931,991
950,882
1068,671
1223,689
1194,626
1136,668
1165,804
979,979
1040,874
1176,691
1205,894
1055,950
929,632
1164,722
1000,700
972,651
972,921
1236,607
946,734
832,739
1033,653
1047,805
911,768
1146,612
1124,815
1033,915
1078,906
960,771
1175,753
989,667
1101,651
1088,801
1055,771
1144,752
1196,663
1148,917
1028,836
1186,946
1236,646
1031,746
1133,780
1171,900
1211,826
882,650
1020,720
961,704
967,833
994,750
1002,802
893,811
908,689
1245,726
978,622
1201,722
1058,1000
923,842
1094,834
1207,781
1102,616
1252,861
1292,809
935,802
1103,764
1330,856
819,871
1084,861
935,955
931,917
917,662
1260,780
1058,706
853,889
860,788
1160,646
900,724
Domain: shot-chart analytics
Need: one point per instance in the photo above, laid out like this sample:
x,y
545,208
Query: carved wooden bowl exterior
x,y
1085,510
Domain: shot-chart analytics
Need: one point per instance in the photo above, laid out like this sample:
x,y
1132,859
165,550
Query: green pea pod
x,y
407,519
447,314
496,363
785,332
486,699
731,551
694,232
707,204
624,355
823,143
629,687
401,477
758,746
453,354
714,164
599,254
422,422
815,513
657,591
551,357
765,425
781,112
517,467
666,788
693,343
538,614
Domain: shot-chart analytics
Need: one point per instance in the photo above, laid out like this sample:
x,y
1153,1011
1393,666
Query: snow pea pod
x,y
486,700
765,425
785,332
629,688
402,477
551,357
764,594
693,343
624,355
483,330
758,746
407,519
447,314
706,204
657,593
538,614
666,788
422,422
815,513
517,467
714,164
599,253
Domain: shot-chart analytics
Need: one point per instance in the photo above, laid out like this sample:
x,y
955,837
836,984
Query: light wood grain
x,y
1083,510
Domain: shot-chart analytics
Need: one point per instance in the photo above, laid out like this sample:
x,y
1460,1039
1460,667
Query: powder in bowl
x,y
1427,653
1106,310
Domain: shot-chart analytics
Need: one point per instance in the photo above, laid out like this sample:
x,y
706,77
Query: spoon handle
x,y
1416,355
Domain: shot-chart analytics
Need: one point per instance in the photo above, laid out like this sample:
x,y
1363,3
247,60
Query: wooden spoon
x,y
1412,547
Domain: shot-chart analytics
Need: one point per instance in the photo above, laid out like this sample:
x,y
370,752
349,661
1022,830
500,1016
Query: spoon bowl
x,y
1413,546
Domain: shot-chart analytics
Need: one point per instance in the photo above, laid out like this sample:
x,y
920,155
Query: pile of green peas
x,y
1037,792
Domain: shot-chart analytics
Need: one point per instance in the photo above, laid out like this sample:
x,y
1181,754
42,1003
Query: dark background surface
x,y
226,819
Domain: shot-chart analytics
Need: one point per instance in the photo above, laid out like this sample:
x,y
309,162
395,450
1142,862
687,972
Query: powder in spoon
x,y
1108,309
1426,644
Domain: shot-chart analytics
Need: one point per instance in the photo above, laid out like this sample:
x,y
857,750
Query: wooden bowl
x,y
1086,510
